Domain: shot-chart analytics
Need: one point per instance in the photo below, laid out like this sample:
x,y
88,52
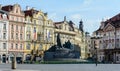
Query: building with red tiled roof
x,y
16,31
109,46
30,12
7,8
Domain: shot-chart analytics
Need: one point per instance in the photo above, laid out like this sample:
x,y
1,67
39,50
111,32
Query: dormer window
x,y
60,27
17,10
40,18
4,16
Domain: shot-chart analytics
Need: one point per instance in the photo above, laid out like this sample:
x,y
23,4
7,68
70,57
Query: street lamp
x,y
96,47
13,66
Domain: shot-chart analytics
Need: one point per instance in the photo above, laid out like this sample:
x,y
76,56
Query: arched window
x,y
28,46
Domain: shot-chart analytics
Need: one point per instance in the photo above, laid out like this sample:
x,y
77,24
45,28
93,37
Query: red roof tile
x,y
7,8
30,12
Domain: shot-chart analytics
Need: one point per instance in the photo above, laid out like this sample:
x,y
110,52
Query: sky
x,y
92,12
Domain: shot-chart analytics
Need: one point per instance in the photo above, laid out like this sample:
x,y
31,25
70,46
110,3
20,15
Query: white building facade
x,y
109,44
3,37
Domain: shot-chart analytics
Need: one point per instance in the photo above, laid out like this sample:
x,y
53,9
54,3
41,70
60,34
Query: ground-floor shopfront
x,y
109,55
19,56
3,58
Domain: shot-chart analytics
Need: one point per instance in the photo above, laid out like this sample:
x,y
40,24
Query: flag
x,y
34,33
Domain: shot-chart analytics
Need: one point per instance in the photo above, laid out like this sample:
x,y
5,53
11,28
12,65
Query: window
x,y
16,46
17,10
4,16
16,35
16,27
38,37
40,47
4,45
4,35
12,17
17,19
60,27
117,58
21,19
11,35
28,28
12,27
100,57
21,46
28,36
28,46
65,27
11,45
20,36
28,20
21,28
4,26
34,21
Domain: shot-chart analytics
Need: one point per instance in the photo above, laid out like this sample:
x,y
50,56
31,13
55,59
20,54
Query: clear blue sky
x,y
90,11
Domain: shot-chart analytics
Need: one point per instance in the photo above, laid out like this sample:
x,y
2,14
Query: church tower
x,y
81,26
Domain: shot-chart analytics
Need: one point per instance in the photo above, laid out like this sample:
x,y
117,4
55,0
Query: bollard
x,y
14,63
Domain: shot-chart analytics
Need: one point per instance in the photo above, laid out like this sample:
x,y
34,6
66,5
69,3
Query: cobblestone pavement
x,y
61,67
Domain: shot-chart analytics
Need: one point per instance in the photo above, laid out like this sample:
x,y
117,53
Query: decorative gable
x,y
17,9
108,27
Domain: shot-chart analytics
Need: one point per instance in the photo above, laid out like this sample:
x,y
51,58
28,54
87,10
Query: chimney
x,y
27,8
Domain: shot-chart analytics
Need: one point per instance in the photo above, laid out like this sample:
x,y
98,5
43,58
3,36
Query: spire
x,y
81,22
81,25
64,18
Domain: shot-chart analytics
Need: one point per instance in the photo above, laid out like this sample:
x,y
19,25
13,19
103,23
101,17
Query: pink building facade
x,y
16,32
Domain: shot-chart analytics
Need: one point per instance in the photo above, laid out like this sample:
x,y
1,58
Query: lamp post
x,y
13,66
96,55
95,45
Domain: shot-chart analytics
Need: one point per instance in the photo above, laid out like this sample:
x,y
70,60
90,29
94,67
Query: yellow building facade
x,y
38,33
68,31
79,40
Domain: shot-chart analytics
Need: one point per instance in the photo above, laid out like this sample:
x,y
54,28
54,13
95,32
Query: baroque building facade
x,y
38,32
16,31
66,31
80,40
69,32
109,48
28,33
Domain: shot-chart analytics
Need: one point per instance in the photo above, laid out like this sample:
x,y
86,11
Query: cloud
x,y
87,2
75,16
